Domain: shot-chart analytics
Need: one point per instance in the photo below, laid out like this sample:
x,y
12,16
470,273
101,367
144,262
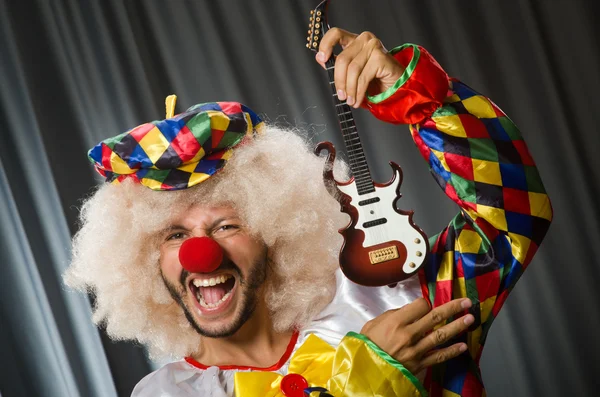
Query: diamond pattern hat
x,y
180,151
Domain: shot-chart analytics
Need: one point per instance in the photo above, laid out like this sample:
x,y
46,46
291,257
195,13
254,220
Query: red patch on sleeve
x,y
524,152
533,247
459,268
460,165
443,292
473,127
472,386
450,192
516,200
490,231
423,148
499,302
488,284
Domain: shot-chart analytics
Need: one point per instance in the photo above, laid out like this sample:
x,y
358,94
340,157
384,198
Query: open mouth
x,y
212,292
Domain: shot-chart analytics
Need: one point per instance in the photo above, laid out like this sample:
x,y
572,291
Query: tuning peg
x,y
318,12
312,11
318,19
307,45
316,31
308,38
317,25
314,44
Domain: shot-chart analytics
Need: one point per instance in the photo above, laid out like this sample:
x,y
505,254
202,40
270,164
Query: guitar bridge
x,y
383,255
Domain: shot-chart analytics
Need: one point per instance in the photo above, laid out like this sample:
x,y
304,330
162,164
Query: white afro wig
x,y
274,182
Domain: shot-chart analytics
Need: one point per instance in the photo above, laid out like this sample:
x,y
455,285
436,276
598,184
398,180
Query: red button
x,y
293,385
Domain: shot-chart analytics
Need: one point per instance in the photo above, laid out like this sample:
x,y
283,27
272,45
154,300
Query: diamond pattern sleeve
x,y
479,158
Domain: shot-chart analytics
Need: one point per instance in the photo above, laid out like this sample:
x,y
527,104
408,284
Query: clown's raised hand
x,y
364,65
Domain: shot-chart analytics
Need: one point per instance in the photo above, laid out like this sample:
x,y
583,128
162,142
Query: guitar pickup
x,y
383,255
376,222
369,201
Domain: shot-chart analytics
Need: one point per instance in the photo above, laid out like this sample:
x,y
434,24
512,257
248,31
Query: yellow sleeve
x,y
362,369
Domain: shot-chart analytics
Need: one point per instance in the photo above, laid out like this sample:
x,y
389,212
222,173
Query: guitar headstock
x,y
318,26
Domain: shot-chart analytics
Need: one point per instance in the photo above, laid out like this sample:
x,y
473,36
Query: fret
x,y
364,181
341,104
359,167
347,131
364,185
357,149
363,177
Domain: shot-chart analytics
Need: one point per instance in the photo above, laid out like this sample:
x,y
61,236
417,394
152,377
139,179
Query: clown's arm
x,y
478,157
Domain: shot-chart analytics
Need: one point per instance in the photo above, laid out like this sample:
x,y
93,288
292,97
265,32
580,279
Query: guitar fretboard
x,y
354,149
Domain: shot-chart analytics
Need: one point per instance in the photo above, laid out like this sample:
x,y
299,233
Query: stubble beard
x,y
248,301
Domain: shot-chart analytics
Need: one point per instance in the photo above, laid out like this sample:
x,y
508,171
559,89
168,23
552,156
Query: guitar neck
x,y
354,149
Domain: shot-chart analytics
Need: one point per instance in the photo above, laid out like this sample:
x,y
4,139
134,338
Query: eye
x,y
226,229
175,236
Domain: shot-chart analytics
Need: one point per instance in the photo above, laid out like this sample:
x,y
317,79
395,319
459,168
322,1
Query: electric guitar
x,y
382,245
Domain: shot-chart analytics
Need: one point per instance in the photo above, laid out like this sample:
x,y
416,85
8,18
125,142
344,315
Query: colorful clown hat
x,y
180,151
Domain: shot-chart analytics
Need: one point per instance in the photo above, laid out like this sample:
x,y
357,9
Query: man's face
x,y
216,304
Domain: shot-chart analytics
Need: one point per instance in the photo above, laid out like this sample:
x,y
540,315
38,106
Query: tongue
x,y
213,294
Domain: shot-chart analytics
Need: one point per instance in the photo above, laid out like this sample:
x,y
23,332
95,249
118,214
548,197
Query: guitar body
x,y
382,245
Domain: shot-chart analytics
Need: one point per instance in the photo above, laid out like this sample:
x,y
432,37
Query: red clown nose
x,y
200,255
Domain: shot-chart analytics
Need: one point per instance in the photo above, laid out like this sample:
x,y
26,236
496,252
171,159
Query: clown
x,y
216,244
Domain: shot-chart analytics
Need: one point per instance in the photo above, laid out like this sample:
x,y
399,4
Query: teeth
x,y
211,281
211,305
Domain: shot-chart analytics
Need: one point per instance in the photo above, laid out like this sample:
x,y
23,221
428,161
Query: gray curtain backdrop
x,y
75,72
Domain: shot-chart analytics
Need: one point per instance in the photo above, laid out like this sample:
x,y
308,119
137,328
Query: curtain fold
x,y
47,329
74,72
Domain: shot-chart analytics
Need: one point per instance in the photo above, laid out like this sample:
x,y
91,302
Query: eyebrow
x,y
224,218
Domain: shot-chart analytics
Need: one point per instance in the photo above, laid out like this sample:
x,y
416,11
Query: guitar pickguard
x,y
380,222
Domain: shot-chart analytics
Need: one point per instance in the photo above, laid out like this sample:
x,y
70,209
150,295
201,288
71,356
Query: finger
x,y
443,355
374,62
354,71
443,334
412,312
332,38
441,314
342,61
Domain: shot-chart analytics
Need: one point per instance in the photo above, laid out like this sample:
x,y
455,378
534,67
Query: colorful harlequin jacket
x,y
478,157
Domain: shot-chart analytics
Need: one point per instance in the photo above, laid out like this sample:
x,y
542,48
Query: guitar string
x,y
356,157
